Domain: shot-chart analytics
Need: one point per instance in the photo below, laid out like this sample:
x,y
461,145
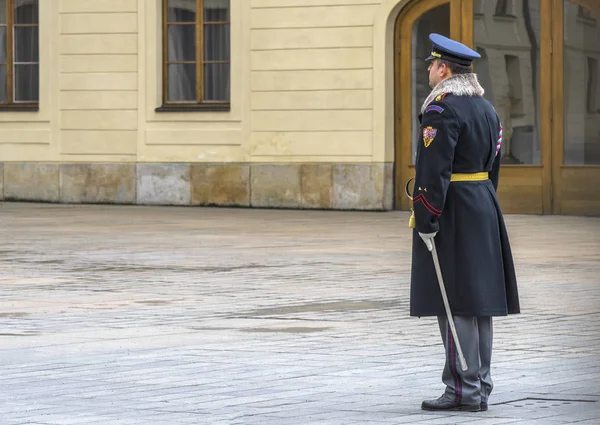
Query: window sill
x,y
506,18
194,108
13,108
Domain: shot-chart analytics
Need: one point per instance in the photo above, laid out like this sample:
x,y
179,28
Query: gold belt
x,y
472,177
460,177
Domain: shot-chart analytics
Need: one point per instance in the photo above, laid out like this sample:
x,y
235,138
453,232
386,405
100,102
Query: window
x,y
585,14
504,8
19,54
196,55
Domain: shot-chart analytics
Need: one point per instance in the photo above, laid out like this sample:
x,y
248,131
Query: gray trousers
x,y
474,385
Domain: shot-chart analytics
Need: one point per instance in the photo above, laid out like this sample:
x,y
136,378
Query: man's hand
x,y
427,237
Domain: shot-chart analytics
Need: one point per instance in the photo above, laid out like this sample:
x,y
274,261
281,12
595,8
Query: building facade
x,y
285,103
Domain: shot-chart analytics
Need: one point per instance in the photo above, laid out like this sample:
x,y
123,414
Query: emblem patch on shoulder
x,y
434,108
428,135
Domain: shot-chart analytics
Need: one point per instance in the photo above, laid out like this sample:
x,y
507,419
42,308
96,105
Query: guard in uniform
x,y
454,201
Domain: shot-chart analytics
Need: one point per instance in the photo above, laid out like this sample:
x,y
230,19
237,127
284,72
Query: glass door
x,y
514,70
576,99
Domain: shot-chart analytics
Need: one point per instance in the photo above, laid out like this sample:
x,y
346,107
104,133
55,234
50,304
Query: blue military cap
x,y
447,49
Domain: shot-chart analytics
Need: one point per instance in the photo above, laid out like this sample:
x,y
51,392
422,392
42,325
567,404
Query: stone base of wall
x,y
290,185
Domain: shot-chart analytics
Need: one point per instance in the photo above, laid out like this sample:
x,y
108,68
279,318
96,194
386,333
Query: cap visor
x,y
429,58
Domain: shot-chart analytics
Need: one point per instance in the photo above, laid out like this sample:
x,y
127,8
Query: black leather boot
x,y
444,403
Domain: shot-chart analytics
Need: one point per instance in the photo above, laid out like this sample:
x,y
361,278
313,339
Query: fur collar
x,y
458,85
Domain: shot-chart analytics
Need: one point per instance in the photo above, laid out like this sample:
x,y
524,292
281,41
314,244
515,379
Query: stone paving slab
x,y
125,315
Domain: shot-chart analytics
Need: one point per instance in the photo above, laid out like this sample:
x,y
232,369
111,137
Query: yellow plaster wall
x,y
97,99
304,86
311,80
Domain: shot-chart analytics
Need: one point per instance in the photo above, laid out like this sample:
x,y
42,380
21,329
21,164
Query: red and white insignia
x,y
499,144
428,135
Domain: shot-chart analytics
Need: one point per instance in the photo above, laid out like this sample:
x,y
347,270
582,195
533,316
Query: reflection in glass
x,y
509,72
581,86
502,8
435,20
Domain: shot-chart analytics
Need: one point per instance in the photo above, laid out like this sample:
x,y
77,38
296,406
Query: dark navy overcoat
x,y
461,134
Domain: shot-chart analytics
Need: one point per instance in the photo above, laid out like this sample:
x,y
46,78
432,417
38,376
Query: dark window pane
x,y
216,42
181,11
216,10
26,44
3,44
26,12
27,83
3,12
216,82
3,94
182,43
182,82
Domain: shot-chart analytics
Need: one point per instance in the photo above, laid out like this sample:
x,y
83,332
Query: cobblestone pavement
x,y
165,315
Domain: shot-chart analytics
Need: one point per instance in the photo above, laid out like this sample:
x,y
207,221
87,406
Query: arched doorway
x,y
413,26
540,68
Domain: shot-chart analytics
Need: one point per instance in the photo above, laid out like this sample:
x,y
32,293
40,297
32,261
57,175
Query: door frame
x,y
520,184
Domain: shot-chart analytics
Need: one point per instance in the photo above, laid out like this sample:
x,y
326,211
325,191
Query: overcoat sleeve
x,y
440,130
